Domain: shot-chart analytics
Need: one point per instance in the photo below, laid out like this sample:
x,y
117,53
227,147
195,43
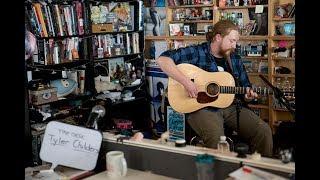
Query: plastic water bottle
x,y
223,145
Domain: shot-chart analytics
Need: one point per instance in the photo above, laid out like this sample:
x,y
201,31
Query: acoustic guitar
x,y
215,89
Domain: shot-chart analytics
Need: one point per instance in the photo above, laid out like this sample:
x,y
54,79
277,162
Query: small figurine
x,y
245,2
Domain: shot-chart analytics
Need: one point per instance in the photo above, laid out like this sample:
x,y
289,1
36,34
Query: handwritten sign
x,y
175,124
69,145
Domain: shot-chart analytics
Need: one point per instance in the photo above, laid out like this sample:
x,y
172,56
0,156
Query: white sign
x,y
69,145
259,9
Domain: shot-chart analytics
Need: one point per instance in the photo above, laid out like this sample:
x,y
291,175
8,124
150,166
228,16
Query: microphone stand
x,y
240,148
279,95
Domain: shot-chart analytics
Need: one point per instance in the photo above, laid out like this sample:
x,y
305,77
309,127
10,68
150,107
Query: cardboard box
x,y
43,96
100,28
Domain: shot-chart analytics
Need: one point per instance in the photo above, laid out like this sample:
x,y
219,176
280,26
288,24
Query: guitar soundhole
x,y
212,89
204,98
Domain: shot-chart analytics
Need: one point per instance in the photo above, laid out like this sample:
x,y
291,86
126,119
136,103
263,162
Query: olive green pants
x,y
209,125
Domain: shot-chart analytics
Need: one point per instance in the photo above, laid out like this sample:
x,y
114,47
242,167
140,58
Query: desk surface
x,y
268,163
131,174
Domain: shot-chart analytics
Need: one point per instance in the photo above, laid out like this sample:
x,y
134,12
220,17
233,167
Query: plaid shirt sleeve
x,y
183,55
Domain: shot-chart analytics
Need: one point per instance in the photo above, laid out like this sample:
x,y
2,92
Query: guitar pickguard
x,y
204,98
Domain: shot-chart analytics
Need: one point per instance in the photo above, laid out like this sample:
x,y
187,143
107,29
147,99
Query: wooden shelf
x,y
254,37
115,56
284,75
257,74
239,7
281,109
191,6
70,64
192,21
283,58
284,19
187,38
288,38
254,57
156,37
258,106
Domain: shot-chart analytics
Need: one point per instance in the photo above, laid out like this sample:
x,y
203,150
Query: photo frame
x,y
174,29
116,68
186,30
208,14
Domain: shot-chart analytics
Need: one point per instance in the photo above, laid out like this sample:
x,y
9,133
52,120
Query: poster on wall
x,y
155,21
175,124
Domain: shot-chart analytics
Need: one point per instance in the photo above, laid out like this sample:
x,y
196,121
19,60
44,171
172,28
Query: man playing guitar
x,y
213,56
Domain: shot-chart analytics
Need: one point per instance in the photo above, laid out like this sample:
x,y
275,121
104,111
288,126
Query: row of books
x,y
114,45
49,20
59,51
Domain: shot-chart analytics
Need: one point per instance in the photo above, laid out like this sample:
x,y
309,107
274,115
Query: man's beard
x,y
226,52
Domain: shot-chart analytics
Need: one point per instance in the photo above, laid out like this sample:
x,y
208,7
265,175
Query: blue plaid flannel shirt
x,y
200,56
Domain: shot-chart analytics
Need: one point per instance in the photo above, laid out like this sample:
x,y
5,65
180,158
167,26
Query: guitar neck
x,y
242,90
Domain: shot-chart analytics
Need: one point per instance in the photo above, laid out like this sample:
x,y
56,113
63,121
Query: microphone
x,y
97,113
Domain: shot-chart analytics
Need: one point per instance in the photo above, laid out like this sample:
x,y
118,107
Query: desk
x,y
132,175
152,155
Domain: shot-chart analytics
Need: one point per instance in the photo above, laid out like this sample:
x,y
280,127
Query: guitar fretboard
x,y
242,90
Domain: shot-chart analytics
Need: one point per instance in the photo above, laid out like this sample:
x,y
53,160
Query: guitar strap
x,y
229,65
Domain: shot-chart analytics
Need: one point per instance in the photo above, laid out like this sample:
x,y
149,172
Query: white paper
x,y
255,174
259,9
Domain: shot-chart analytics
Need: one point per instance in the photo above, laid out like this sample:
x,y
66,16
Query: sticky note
x,y
259,9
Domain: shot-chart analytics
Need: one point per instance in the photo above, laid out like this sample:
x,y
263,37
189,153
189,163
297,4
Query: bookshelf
x,y
74,43
281,38
59,71
267,38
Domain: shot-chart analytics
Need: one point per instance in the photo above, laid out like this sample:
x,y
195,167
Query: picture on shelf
x,y
175,29
116,69
186,30
124,19
155,21
119,15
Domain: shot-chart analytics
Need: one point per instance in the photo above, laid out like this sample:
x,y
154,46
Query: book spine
x,y
41,19
79,18
51,21
57,11
140,15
